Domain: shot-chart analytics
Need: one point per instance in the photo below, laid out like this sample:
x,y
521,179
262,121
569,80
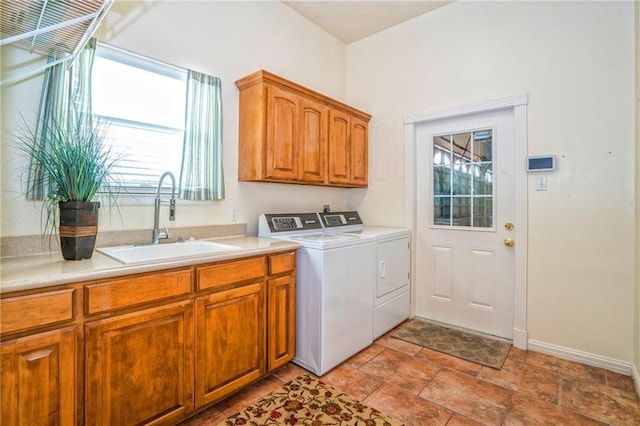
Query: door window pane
x,y
442,210
483,179
441,180
461,211
482,212
463,179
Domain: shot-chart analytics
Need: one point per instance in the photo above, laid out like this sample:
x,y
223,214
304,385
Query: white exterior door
x,y
465,221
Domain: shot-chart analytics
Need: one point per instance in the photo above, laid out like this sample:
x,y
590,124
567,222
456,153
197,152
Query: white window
x,y
144,103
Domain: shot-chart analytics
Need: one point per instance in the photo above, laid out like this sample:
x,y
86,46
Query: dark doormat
x,y
485,350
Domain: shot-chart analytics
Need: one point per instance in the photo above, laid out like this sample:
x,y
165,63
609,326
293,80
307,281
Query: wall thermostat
x,y
541,163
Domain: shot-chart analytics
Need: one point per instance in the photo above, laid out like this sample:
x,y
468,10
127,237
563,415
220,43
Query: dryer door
x,y
393,265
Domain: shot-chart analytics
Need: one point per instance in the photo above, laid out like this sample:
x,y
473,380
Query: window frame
x,y
122,56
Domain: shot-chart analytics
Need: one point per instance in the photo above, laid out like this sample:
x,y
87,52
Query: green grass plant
x,y
70,163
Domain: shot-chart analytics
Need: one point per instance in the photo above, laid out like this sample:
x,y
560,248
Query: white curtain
x,y
201,176
65,103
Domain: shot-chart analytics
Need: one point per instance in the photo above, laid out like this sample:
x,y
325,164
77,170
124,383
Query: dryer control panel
x,y
340,219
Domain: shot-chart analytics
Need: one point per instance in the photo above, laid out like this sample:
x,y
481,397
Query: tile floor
x,y
423,387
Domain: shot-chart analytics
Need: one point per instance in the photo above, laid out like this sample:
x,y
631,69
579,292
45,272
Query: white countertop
x,y
45,270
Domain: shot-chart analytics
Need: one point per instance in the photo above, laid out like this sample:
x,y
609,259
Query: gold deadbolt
x,y
508,226
509,242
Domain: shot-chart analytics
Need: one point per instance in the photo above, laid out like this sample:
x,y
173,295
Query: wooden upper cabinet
x,y
287,134
348,149
339,151
281,161
313,142
359,152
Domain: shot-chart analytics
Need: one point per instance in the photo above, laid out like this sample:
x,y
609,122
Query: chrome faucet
x,y
157,235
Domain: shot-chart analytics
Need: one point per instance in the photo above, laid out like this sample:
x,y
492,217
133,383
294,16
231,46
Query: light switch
x,y
541,183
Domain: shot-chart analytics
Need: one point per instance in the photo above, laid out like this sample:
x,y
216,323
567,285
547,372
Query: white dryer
x,y
392,302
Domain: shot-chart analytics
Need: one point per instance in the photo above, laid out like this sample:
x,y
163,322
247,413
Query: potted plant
x,y
72,165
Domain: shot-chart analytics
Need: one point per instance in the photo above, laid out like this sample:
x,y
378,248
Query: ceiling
x,y
350,21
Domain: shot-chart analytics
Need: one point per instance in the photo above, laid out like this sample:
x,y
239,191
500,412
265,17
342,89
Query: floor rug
x,y
475,348
309,401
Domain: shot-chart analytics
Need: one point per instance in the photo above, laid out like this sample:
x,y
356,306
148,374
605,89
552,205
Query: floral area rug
x,y
308,401
483,350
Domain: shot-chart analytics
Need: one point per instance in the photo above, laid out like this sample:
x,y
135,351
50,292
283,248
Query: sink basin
x,y
167,251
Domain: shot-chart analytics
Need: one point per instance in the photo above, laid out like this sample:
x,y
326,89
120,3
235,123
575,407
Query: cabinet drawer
x,y
231,272
281,263
125,292
35,310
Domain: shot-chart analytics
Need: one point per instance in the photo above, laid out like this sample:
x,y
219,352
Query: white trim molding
x,y
518,103
462,110
587,358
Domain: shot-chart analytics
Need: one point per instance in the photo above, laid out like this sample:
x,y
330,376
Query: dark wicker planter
x,y
78,229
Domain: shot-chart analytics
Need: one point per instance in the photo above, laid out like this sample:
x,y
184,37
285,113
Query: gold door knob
x,y
509,242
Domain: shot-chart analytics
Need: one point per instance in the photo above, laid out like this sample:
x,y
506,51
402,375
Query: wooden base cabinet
x,y
231,341
282,320
148,348
38,379
282,309
139,367
291,134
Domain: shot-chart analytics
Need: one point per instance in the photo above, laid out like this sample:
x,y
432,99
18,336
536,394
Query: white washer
x,y
392,302
334,284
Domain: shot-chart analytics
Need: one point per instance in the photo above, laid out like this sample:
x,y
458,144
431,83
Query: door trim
x,y
517,103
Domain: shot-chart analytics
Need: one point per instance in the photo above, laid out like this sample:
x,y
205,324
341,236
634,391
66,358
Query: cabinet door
x,y
313,142
359,140
230,341
281,154
339,149
39,378
282,320
140,367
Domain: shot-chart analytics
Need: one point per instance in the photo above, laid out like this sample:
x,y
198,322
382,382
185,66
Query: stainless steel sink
x,y
166,251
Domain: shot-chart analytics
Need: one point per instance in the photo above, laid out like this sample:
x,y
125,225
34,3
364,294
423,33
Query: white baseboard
x,y
593,360
520,338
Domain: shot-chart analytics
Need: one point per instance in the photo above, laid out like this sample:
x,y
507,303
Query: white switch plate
x,y
234,214
541,183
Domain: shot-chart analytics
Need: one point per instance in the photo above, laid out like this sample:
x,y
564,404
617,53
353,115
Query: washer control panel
x,y
292,222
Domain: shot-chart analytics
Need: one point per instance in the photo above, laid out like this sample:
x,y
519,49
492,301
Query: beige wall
x,y
225,39
575,60
637,254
